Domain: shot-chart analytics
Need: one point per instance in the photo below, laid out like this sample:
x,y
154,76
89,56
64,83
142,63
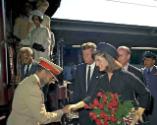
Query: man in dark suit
x,y
85,74
124,55
27,64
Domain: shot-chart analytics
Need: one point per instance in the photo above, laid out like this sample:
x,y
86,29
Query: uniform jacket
x,y
151,80
28,105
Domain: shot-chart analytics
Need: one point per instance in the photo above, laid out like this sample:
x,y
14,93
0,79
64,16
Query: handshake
x,y
69,108
73,107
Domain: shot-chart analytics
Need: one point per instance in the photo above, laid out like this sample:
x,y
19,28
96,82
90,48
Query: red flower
x,y
104,97
103,114
113,119
101,106
92,106
98,122
113,104
96,102
105,123
105,109
100,94
93,115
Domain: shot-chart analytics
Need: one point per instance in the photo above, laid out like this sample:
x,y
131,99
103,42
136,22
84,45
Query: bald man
x,y
124,55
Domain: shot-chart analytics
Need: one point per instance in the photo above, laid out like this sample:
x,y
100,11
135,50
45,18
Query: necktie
x,y
148,70
27,70
88,77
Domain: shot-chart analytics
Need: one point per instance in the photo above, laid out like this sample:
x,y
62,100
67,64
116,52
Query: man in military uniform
x,y
28,104
150,75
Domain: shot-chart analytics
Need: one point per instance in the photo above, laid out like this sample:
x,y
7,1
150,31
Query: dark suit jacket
x,y
136,72
79,89
32,70
79,84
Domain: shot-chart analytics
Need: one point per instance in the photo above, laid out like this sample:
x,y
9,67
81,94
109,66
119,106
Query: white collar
x,y
91,65
126,67
151,68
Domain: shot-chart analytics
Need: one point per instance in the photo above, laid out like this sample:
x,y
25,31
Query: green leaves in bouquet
x,y
124,109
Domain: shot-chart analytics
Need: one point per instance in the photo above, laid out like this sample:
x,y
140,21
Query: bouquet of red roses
x,y
109,109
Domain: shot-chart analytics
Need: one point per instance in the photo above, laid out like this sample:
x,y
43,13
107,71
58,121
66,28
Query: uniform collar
x,y
38,80
151,68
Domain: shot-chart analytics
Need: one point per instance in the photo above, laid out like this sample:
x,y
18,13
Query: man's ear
x,y
154,61
129,56
43,72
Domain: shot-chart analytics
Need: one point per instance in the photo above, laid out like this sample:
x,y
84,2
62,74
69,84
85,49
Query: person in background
x,y
22,25
84,74
28,103
150,75
39,38
26,64
124,55
42,6
114,79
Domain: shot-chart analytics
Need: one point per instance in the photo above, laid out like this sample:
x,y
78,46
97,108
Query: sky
x,y
132,12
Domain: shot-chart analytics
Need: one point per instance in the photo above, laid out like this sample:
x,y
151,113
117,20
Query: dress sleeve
x,y
143,94
46,39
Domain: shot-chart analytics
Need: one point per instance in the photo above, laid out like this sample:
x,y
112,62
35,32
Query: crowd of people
x,y
104,68
114,73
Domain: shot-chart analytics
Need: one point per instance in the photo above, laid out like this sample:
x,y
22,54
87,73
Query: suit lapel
x,y
83,78
92,83
129,68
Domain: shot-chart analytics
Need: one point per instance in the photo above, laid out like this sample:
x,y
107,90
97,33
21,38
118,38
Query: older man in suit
x,y
27,65
85,74
28,104
150,75
124,55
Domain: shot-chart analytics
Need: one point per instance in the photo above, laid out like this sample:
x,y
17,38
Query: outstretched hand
x,y
70,108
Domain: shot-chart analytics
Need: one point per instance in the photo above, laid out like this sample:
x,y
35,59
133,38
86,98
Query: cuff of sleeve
x,y
61,113
87,100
